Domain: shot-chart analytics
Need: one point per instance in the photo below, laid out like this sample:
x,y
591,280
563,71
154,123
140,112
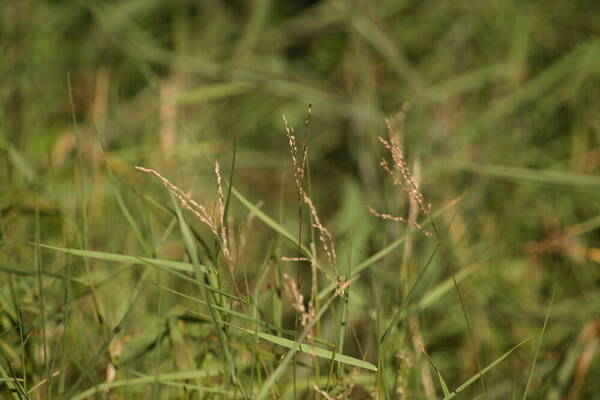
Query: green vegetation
x,y
252,256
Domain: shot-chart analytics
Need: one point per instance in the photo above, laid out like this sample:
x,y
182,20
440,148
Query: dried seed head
x,y
401,176
216,225
299,167
222,225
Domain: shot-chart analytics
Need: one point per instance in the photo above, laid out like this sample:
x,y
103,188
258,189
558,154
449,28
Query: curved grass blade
x,y
42,306
100,255
16,270
483,371
443,383
215,315
255,321
270,222
284,364
230,183
146,380
314,351
11,380
172,267
539,345
130,220
530,175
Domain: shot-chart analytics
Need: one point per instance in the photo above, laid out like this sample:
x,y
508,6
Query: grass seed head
x,y
401,176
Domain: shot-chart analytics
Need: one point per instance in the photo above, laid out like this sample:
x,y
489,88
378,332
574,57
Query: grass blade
x,y
539,345
146,380
270,222
530,175
172,267
132,223
40,281
100,255
283,365
200,276
314,351
483,371
443,383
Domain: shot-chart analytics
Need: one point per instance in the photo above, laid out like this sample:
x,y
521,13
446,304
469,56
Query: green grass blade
x,y
100,255
315,351
215,91
270,222
284,364
255,321
67,328
19,162
255,302
172,267
132,222
214,313
40,281
483,371
438,291
538,176
230,183
13,269
244,330
538,346
103,348
146,380
18,316
344,307
443,383
11,380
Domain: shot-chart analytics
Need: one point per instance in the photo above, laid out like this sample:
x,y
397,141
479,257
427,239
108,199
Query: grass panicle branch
x,y
216,224
401,176
325,237
299,160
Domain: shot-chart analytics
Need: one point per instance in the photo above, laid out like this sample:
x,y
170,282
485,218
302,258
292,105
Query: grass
x,y
255,257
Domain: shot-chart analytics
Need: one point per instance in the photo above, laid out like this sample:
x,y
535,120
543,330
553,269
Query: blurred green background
x,y
499,106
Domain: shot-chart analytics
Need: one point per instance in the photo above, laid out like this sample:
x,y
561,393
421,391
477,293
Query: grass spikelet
x,y
217,225
306,315
398,219
223,234
324,235
401,176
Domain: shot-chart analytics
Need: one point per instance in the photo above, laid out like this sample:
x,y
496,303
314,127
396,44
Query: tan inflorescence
x,y
401,176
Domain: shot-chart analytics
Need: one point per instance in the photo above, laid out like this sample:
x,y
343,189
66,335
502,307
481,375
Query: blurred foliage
x,y
497,101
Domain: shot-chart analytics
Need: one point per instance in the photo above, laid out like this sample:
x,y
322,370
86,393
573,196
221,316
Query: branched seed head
x,y
401,176
216,224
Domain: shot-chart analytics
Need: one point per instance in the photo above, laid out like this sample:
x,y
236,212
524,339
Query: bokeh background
x,y
497,103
